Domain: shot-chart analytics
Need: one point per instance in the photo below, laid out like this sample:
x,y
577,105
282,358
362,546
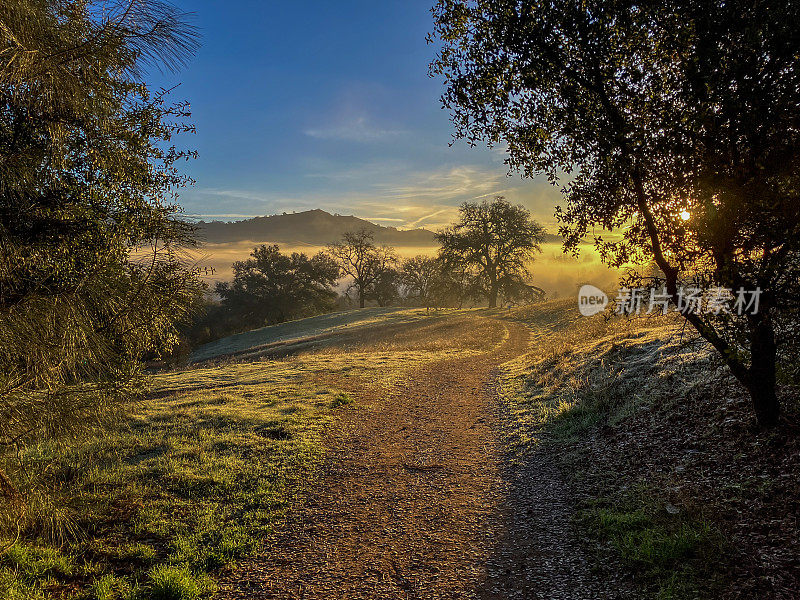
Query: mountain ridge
x,y
315,227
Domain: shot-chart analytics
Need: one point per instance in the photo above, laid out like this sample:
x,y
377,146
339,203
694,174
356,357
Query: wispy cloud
x,y
359,129
225,216
394,196
428,218
446,185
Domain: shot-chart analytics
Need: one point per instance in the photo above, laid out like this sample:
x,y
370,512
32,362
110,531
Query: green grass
x,y
342,399
187,483
671,554
170,582
196,477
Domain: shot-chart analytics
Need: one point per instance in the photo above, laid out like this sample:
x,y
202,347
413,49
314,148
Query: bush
x,y
341,399
111,587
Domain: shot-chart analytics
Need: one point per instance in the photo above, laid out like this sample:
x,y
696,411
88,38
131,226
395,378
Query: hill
x,y
315,227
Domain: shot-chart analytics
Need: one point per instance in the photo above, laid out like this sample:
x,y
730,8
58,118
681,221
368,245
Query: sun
x,y
686,215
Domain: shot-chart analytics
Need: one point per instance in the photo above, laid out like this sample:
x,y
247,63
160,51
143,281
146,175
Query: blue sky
x,y
320,104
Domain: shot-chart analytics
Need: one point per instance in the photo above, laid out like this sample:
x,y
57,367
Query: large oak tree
x,y
497,240
676,123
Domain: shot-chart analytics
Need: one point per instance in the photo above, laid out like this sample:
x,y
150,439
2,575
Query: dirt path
x,y
412,504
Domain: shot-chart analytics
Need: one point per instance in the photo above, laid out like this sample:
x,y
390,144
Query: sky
x,y
320,104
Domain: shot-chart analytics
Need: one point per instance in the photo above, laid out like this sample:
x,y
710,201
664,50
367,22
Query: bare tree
x,y
362,261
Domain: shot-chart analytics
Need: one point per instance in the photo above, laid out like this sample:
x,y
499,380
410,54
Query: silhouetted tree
x,y
678,124
429,282
495,238
271,287
420,276
385,290
362,261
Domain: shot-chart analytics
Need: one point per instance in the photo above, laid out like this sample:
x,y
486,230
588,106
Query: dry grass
x,y
612,363
330,326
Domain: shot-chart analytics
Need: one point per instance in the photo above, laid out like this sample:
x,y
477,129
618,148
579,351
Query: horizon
x,y
240,218
348,122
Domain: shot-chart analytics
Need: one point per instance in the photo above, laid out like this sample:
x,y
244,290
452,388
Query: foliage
x,y
92,276
673,122
385,290
169,582
362,261
429,282
271,287
497,240
419,275
342,399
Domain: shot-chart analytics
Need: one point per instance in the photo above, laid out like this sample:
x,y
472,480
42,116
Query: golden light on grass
x,y
197,476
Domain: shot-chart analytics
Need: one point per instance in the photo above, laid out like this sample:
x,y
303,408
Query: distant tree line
x,y
483,258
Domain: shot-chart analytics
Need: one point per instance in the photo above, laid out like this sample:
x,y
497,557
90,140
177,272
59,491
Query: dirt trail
x,y
412,503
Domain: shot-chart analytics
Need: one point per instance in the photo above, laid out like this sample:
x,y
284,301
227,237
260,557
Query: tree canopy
x,y
363,262
271,287
675,123
497,239
92,275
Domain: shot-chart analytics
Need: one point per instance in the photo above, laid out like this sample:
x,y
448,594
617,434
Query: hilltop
x,y
315,227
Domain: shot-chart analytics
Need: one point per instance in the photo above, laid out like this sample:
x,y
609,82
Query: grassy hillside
x,y
294,336
673,488
671,480
196,476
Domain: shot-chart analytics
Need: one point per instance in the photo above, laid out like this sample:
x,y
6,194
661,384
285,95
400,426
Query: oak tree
x,y
674,123
271,287
362,261
496,239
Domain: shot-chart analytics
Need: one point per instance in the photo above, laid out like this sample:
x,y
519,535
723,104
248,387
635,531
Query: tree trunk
x,y
761,377
493,290
7,489
360,299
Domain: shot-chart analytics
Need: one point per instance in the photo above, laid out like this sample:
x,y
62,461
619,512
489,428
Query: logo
x,y
591,300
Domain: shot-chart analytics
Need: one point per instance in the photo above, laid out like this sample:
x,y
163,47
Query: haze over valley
x,y
224,242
